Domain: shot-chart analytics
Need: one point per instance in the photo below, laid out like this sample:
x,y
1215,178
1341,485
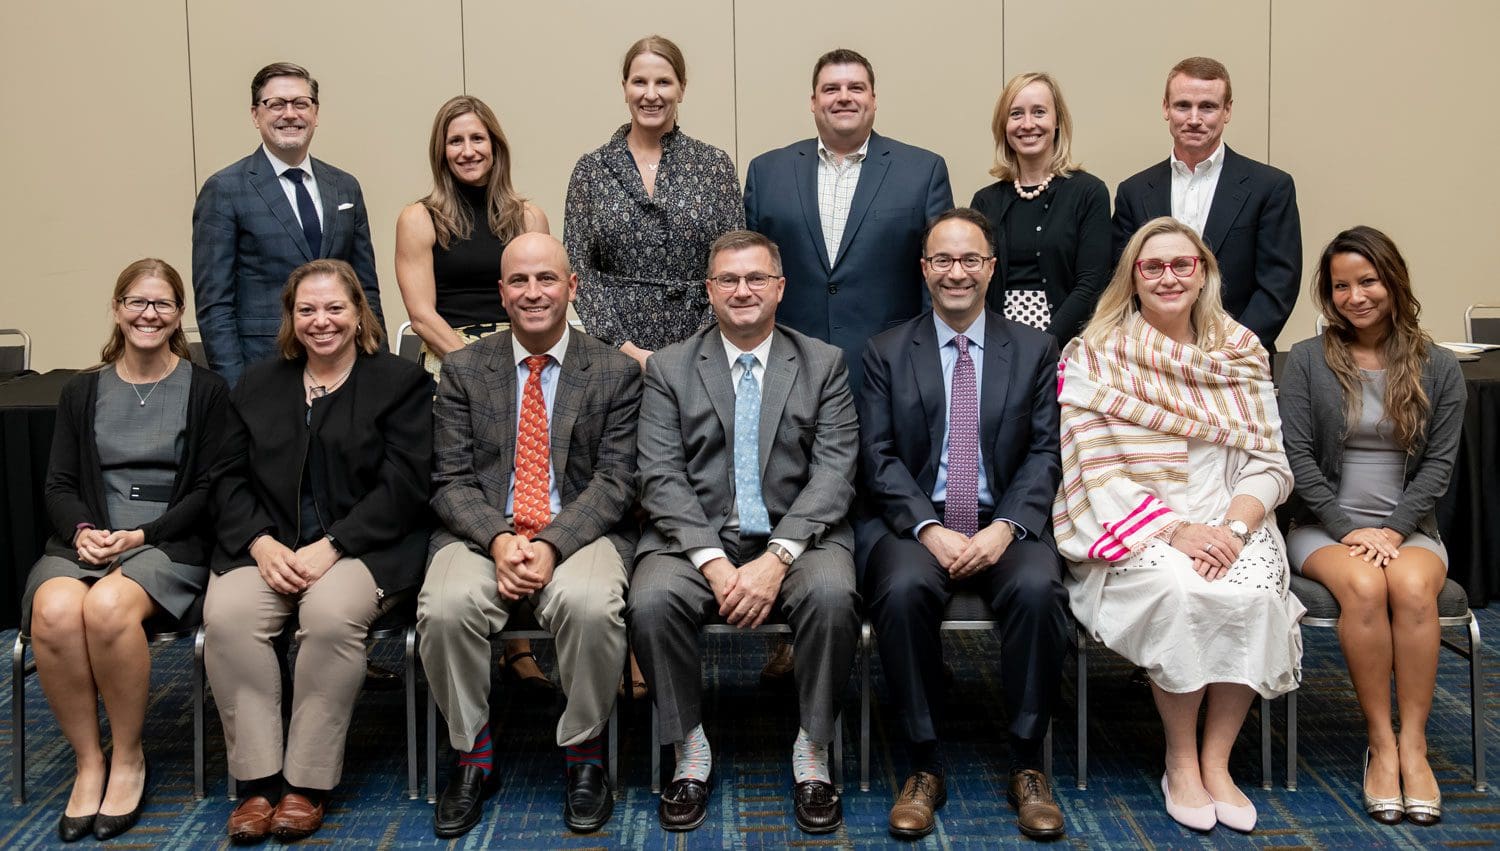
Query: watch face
x,y
1238,527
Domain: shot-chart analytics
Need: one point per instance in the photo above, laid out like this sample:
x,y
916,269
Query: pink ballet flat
x,y
1196,818
1235,818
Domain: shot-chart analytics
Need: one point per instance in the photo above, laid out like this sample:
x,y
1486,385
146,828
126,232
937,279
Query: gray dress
x,y
140,448
1371,481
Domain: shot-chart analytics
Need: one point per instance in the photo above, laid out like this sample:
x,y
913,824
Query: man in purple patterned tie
x,y
960,464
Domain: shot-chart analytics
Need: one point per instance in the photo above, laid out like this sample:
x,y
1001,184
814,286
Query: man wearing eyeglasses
x,y
260,218
747,444
959,445
1245,210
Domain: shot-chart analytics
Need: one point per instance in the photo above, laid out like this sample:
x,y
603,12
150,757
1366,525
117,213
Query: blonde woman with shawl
x,y
1172,469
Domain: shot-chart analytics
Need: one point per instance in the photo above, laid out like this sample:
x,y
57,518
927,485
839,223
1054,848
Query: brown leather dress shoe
x,y
1037,813
779,666
818,806
684,804
251,820
920,799
296,818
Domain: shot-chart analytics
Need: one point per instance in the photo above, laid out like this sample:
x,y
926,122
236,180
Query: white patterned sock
x,y
809,759
695,760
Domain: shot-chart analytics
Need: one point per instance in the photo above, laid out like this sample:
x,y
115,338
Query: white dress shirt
x,y
837,181
1193,188
549,395
289,189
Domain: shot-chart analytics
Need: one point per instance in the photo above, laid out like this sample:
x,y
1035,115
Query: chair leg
x,y
413,790
198,712
614,748
1047,752
1476,701
431,747
866,642
1265,743
655,750
838,752
18,721
1291,741
1083,708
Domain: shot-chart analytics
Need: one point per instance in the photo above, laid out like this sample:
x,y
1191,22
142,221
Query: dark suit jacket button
x,y
833,289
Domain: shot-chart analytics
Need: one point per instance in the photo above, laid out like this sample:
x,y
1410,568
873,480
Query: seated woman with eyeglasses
x,y
127,496
1374,411
1172,469
321,494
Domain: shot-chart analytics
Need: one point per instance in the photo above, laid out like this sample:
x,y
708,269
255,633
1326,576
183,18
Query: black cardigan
x,y
374,435
1075,259
75,481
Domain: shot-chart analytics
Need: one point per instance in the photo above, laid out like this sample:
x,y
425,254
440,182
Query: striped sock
x,y
695,760
483,752
588,750
809,759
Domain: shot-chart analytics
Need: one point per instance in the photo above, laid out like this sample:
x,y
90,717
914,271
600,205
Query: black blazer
x,y
903,412
1076,255
375,436
1253,229
75,481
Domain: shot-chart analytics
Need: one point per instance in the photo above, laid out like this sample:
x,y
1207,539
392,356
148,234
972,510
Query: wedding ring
x,y
1208,547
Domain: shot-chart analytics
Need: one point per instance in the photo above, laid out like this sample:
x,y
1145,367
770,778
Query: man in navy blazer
x,y
847,209
260,218
959,460
1246,211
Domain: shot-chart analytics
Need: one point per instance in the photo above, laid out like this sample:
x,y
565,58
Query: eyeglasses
x,y
756,281
1182,267
163,306
297,104
969,262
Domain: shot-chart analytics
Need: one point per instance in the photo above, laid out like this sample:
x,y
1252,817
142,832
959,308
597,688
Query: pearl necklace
x,y
121,373
1035,193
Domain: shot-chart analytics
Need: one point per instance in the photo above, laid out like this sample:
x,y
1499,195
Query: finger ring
x,y
1208,547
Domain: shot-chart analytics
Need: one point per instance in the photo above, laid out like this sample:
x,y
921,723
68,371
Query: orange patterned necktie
x,y
533,506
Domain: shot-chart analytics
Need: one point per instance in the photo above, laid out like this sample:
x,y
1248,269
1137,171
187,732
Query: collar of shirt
x,y
827,156
945,334
557,351
281,165
1214,160
762,352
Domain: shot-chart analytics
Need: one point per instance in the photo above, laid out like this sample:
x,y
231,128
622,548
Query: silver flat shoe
x,y
1387,811
1424,813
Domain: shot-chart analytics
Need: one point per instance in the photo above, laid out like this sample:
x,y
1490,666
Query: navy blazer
x,y
903,412
1253,229
876,280
246,242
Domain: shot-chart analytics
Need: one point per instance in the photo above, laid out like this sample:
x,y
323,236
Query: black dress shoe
x,y
108,826
684,804
587,803
818,805
462,801
74,828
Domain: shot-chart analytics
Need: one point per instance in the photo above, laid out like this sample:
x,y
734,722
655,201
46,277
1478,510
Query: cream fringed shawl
x,y
1128,408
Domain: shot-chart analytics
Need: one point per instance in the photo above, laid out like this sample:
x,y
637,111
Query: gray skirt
x,y
170,585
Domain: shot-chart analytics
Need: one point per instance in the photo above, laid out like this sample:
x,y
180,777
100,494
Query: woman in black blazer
x,y
322,499
1372,413
126,493
1049,217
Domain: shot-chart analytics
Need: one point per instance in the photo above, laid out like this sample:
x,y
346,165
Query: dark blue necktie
x,y
307,211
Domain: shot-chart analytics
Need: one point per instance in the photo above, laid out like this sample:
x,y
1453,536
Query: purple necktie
x,y
961,512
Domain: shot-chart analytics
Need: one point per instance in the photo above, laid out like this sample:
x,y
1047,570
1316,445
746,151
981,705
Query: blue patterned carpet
x,y
751,731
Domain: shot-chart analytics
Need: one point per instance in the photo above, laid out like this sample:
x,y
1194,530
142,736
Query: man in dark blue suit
x,y
1246,211
960,463
260,218
847,210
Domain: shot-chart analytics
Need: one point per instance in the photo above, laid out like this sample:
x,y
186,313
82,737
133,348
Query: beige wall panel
x,y
99,138
1112,58
551,72
937,72
383,69
1383,112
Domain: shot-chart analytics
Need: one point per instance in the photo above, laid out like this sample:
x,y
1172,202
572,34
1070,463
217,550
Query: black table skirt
x,y
28,410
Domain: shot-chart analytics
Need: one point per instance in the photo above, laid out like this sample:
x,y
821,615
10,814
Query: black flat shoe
x,y
684,804
74,828
462,801
587,803
818,806
538,684
108,826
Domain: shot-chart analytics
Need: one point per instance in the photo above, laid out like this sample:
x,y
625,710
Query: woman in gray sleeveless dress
x,y
126,496
1372,411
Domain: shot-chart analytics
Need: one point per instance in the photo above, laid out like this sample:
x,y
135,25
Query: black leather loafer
x,y
818,805
684,804
588,802
462,801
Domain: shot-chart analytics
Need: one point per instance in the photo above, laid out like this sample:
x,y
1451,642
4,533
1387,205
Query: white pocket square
x,y
343,207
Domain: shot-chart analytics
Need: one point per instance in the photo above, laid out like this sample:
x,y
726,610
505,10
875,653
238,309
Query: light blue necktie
x,y
752,508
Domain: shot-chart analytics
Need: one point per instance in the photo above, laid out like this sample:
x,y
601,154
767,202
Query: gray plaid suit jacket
x,y
591,437
246,242
809,439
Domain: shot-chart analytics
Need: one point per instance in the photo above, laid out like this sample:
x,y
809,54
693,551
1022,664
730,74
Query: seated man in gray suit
x,y
534,478
260,218
748,441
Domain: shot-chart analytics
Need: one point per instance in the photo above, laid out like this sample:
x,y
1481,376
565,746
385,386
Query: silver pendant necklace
x,y
137,390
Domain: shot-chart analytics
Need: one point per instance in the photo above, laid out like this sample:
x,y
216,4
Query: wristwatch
x,y
334,542
1238,529
781,552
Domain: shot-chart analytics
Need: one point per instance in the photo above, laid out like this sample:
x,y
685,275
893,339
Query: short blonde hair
x,y
1118,301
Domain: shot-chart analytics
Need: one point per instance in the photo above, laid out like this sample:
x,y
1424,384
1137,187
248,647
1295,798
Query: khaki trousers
x,y
460,607
241,616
